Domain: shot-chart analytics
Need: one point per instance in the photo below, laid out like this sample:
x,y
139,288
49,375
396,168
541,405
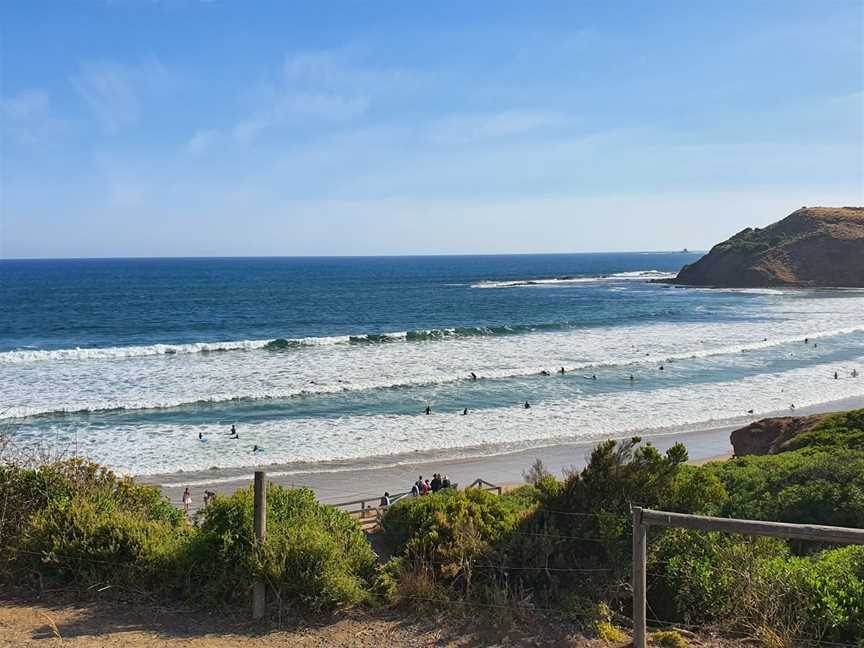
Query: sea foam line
x,y
342,387
640,275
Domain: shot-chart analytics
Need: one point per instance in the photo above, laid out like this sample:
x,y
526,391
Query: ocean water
x,y
327,361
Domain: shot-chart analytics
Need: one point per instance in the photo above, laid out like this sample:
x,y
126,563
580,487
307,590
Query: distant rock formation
x,y
815,246
770,435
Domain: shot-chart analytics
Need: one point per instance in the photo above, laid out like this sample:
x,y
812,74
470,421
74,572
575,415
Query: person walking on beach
x,y
187,500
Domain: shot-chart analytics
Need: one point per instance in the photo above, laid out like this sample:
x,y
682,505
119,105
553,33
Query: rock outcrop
x,y
771,435
816,246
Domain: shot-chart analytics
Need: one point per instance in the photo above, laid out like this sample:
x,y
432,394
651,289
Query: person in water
x,y
465,412
631,377
835,375
428,410
661,367
544,373
593,376
255,448
854,373
527,405
233,430
200,436
561,370
473,376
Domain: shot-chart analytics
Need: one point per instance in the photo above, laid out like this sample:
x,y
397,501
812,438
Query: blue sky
x,y
148,128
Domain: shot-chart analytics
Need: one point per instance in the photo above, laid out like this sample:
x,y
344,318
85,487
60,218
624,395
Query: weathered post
x,y
639,558
260,521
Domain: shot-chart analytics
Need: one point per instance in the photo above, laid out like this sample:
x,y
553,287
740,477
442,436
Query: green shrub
x,y
313,554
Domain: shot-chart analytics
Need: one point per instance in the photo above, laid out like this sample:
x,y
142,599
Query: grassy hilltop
x,y
816,246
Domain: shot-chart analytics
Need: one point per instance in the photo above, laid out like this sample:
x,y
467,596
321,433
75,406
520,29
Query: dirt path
x,y
29,623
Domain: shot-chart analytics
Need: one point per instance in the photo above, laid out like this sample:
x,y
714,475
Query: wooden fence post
x,y
259,591
639,558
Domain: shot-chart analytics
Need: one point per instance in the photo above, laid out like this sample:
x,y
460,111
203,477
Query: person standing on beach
x,y
187,500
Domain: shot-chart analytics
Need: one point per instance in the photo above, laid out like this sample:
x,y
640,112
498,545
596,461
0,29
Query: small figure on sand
x,y
187,499
428,410
527,405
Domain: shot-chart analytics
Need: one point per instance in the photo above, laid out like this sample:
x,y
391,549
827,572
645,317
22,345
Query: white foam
x,y
641,275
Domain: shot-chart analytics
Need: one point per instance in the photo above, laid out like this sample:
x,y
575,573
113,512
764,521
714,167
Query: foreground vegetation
x,y
559,547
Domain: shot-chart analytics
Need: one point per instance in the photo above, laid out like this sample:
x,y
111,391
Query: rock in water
x,y
816,246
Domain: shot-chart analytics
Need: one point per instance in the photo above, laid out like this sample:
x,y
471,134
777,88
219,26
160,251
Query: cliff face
x,y
817,246
769,436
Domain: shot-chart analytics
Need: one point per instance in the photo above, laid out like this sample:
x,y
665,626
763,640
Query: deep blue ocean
x,y
335,359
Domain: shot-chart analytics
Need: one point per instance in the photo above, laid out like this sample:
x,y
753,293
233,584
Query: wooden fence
x,y
643,518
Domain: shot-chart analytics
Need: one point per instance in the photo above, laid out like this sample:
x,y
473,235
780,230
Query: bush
x,y
759,587
313,554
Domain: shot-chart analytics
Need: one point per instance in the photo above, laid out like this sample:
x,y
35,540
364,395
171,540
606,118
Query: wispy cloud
x,y
27,117
116,92
494,125
297,110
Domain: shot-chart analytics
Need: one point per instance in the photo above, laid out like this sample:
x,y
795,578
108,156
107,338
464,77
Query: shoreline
x,y
351,480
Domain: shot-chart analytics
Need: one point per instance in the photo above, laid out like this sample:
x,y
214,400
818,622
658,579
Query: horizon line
x,y
340,256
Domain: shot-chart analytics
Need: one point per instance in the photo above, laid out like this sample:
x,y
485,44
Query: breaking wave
x,y
641,275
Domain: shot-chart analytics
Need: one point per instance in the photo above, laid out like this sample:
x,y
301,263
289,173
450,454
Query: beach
x,y
348,483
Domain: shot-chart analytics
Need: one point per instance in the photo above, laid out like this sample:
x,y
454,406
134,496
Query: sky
x,y
233,128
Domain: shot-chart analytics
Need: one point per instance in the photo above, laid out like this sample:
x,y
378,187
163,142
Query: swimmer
x,y
806,340
593,376
631,377
661,367
527,405
465,412
428,410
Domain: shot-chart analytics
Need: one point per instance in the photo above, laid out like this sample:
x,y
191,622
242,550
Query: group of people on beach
x,y
424,486
186,499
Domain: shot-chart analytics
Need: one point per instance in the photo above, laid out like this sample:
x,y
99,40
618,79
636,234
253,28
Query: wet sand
x,y
347,484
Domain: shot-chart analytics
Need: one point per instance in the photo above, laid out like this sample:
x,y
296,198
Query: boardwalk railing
x,y
643,518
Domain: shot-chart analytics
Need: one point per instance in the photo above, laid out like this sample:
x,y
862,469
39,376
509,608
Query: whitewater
x,y
315,378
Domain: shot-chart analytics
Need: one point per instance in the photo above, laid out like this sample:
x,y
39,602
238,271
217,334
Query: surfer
x,y
428,410
465,412
200,436
233,430
631,377
255,448
806,340
835,375
661,367
561,370
854,373
527,405
544,373
473,376
593,376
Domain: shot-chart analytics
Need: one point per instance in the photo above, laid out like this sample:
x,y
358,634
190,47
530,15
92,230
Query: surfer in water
x,y
527,405
428,410
473,376
200,436
255,448
854,373
631,378
835,376
544,373
561,370
593,376
233,430
661,367
465,412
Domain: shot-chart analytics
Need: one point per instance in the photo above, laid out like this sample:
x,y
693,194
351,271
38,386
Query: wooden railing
x,y
643,518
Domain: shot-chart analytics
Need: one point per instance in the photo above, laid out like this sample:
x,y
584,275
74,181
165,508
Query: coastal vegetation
x,y
555,546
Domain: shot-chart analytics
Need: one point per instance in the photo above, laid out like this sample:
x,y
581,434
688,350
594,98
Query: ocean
x,y
326,362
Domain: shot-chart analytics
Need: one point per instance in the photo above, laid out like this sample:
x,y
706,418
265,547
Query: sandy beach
x,y
344,482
